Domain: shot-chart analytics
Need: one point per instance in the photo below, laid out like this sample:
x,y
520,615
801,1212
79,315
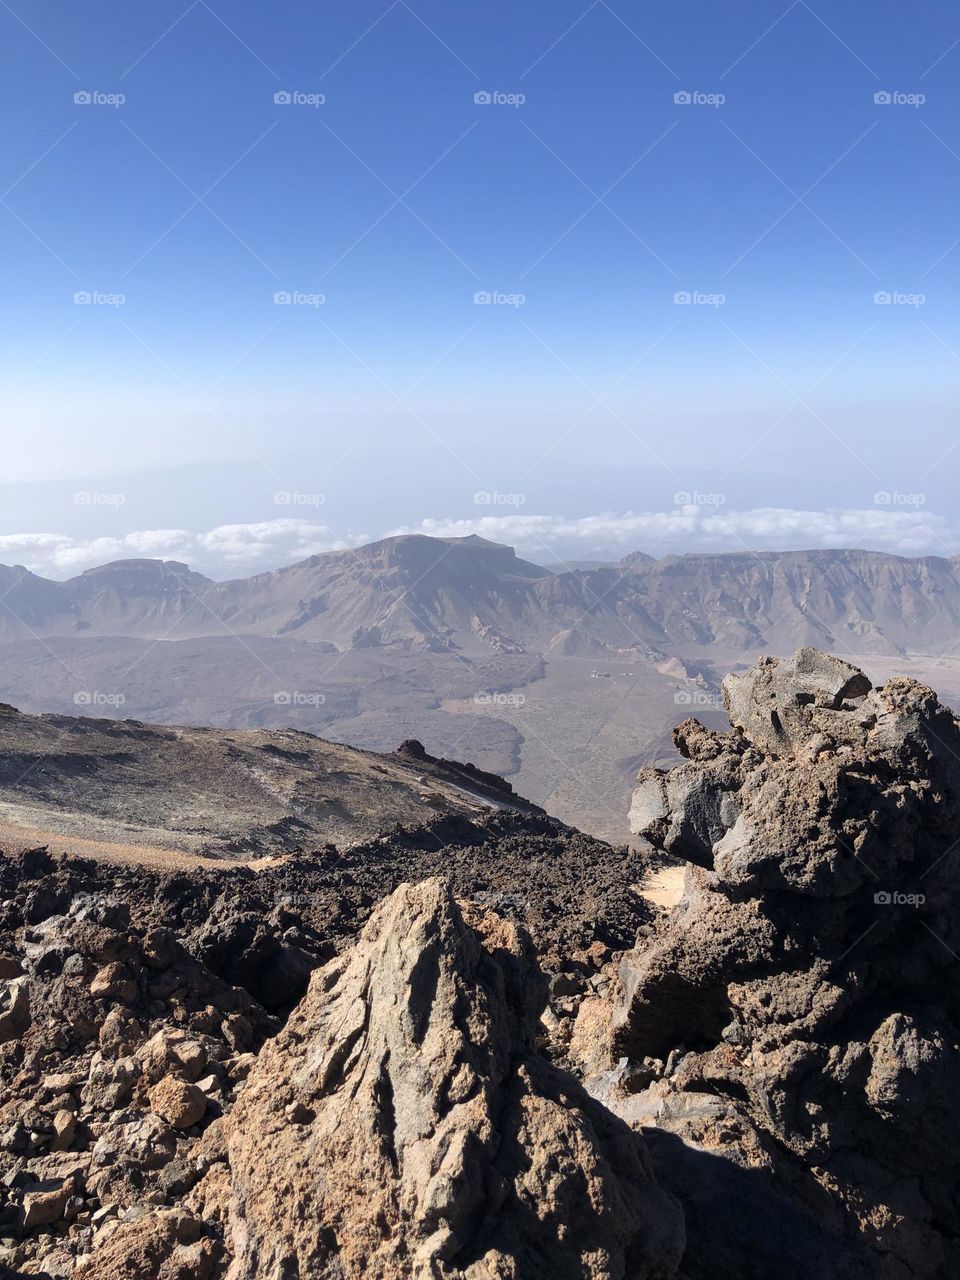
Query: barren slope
x,y
208,792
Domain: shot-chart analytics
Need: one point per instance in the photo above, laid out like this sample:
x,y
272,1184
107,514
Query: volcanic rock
x,y
402,1124
14,1008
800,1006
181,1104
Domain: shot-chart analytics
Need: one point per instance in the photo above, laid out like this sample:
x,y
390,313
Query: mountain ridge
x,y
471,595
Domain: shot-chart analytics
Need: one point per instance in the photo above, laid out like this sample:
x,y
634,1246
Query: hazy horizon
x,y
297,280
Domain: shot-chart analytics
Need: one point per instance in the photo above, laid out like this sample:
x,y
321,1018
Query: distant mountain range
x,y
475,597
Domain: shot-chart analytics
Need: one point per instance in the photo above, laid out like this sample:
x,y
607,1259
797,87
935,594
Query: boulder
x,y
776,703
402,1123
46,1202
178,1102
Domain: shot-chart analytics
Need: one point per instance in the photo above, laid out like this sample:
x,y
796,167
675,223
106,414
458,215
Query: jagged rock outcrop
x,y
798,1013
402,1124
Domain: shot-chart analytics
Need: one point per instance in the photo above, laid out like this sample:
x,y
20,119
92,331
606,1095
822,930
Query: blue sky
x,y
782,198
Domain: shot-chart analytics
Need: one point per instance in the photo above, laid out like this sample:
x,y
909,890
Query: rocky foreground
x,y
354,1065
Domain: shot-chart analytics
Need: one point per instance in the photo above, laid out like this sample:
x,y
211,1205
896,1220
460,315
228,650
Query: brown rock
x,y
113,981
64,1129
171,1051
14,1008
45,1202
432,1140
119,1034
178,1102
166,1244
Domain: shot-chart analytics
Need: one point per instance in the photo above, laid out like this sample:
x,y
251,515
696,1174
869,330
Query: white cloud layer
x,y
226,551
238,549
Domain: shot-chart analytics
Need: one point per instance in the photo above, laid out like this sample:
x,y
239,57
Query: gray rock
x,y
804,991
772,703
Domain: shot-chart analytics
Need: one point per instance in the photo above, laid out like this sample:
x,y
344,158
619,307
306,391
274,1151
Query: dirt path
x,y
14,838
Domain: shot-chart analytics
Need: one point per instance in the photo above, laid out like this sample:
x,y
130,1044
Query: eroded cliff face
x,y
797,1013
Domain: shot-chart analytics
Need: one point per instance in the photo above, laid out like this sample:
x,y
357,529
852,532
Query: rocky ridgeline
x,y
768,1078
791,1029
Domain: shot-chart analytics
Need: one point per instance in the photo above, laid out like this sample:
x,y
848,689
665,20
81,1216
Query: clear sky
x,y
380,165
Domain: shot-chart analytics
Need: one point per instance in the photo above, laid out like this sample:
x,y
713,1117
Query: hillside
x,y
139,789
